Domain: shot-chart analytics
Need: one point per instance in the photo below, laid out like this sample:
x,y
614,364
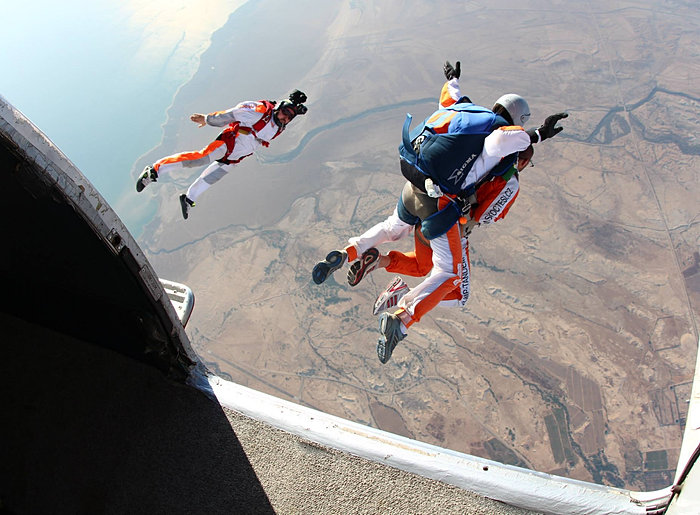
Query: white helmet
x,y
516,106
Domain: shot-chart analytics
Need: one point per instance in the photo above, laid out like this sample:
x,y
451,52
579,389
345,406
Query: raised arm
x,y
548,129
451,92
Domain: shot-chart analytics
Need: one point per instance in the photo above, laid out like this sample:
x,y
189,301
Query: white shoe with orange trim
x,y
390,297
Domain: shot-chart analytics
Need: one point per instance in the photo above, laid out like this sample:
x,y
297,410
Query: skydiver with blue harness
x,y
444,159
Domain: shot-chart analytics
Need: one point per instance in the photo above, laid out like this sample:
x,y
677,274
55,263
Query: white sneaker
x,y
390,297
368,261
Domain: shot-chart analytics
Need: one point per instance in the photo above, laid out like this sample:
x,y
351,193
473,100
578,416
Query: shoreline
x,y
137,225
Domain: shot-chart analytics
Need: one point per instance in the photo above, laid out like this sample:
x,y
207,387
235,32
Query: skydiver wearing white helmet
x,y
482,144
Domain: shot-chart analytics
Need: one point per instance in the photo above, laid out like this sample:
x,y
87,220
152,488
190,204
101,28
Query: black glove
x,y
297,97
450,72
547,129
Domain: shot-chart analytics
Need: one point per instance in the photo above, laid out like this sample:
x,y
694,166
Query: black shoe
x,y
390,327
334,260
368,261
185,205
148,176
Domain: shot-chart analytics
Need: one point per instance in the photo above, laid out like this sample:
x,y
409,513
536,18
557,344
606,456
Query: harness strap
x,y
228,136
230,133
467,223
265,119
269,107
411,154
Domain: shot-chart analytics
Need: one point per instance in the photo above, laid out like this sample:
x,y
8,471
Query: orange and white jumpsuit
x,y
449,276
247,141
449,282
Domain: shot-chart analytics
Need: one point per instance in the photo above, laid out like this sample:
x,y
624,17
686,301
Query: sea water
x,y
97,76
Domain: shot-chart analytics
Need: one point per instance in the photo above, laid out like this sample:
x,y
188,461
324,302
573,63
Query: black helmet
x,y
295,105
297,97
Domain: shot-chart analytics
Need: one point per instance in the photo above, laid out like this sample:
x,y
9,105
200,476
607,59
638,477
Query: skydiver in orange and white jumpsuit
x,y
493,200
249,126
450,272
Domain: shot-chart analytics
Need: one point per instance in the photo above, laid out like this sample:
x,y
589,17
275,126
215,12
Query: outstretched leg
x,y
211,175
194,159
391,229
215,150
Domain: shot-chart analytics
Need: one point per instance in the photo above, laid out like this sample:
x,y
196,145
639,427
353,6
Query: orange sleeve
x,y
446,99
495,199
